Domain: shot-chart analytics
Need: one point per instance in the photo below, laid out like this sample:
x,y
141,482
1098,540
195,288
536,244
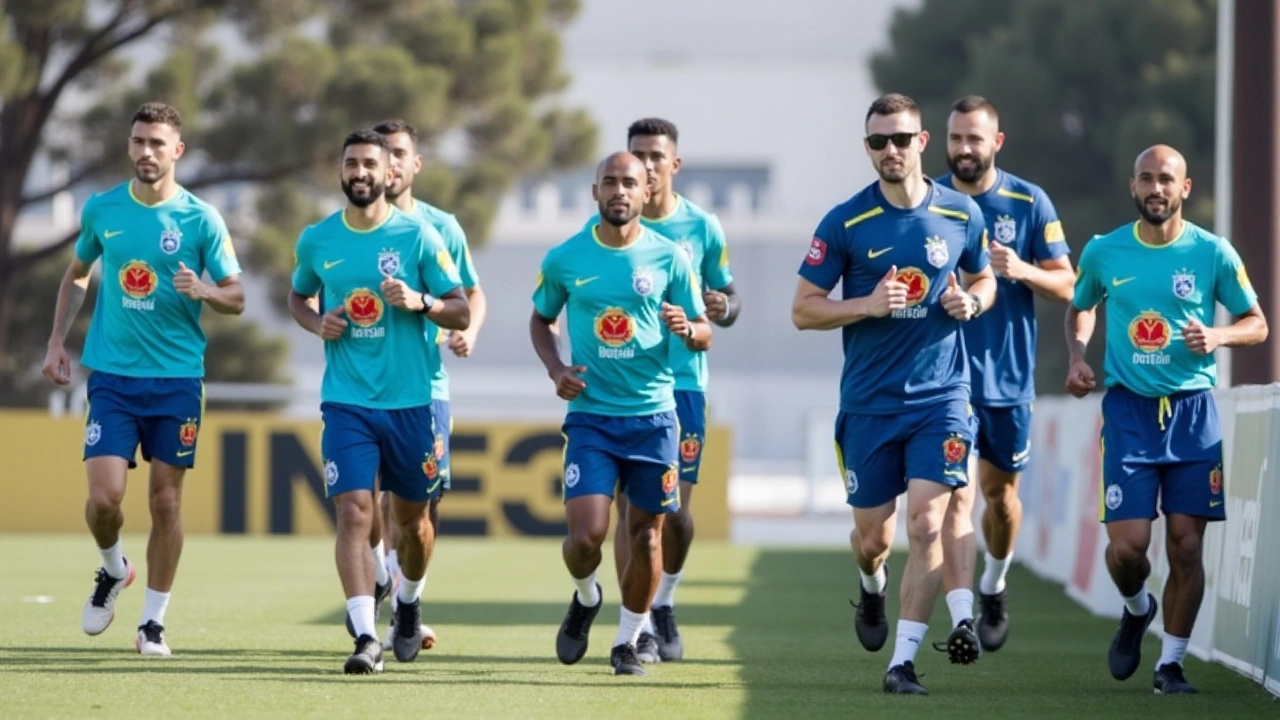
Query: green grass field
x,y
256,629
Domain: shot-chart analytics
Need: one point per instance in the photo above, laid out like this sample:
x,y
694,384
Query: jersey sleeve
x,y
683,288
549,293
306,281
455,239
715,257
975,257
88,246
1090,288
217,252
1047,239
436,268
828,256
1231,281
591,222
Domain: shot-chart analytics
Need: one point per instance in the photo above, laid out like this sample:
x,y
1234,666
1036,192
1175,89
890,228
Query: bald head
x,y
1160,184
1159,159
622,163
621,188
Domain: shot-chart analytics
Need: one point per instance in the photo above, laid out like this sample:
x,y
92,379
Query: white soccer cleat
x,y
151,642
100,608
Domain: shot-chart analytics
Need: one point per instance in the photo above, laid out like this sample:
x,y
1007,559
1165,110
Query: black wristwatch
x,y
977,304
427,303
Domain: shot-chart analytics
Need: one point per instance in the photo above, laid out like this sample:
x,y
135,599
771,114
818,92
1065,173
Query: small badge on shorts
x,y
571,474
954,449
1215,480
670,479
1184,284
187,433
92,433
330,473
170,241
689,448
936,252
389,262
430,466
850,481
642,281
1115,496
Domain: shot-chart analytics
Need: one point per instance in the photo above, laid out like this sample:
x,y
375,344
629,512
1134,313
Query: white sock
x,y
1138,605
360,609
666,594
647,625
910,635
154,607
393,564
629,627
874,584
411,590
960,603
113,561
1172,650
992,582
588,593
380,573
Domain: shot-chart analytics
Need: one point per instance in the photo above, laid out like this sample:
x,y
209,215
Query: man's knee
x,y
924,523
1186,551
354,510
166,503
1128,549
586,540
645,538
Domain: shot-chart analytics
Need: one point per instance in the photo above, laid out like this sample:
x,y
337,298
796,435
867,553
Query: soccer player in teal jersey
x,y
697,232
1029,257
146,352
904,423
382,273
1160,277
625,291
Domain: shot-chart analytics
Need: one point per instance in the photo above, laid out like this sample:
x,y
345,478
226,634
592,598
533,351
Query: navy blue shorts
x,y
162,415
880,453
1004,436
691,411
363,445
1170,446
639,455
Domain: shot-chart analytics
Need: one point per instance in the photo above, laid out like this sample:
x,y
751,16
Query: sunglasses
x,y
880,142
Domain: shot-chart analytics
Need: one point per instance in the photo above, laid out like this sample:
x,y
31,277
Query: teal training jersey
x,y
455,241
142,326
380,361
1152,292
698,233
612,298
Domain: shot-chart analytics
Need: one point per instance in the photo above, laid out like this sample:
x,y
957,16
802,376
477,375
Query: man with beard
x,y
625,291
384,274
1029,256
904,423
698,233
146,350
1161,277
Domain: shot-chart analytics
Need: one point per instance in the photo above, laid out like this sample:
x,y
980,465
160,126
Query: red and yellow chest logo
x,y
614,327
137,279
917,284
1150,332
364,307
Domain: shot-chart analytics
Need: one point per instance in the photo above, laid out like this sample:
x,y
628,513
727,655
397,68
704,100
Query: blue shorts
x,y
362,445
691,410
1169,446
880,453
636,454
1004,436
162,415
442,422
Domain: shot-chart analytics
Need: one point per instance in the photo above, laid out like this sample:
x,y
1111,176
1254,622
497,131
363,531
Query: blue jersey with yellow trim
x,y
916,355
698,233
612,299
1001,342
455,241
381,359
1152,292
142,326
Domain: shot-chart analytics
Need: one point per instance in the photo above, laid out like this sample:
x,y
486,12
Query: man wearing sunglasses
x,y
904,423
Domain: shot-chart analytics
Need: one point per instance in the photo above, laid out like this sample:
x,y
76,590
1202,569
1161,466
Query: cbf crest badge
x,y
389,262
936,251
642,281
1184,284
1006,229
170,241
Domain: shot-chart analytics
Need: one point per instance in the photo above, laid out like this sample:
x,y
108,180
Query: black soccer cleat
x,y
571,640
624,660
961,645
1126,647
647,649
993,624
902,680
670,646
406,640
367,659
1169,680
869,619
380,593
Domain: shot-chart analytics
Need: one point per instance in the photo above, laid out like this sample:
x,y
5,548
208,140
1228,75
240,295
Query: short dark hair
x,y
365,137
158,113
395,125
892,104
974,103
652,127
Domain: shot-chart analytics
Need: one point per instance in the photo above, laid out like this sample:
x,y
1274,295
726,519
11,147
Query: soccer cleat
x,y
428,636
100,608
670,646
869,620
624,660
151,642
571,640
380,593
1126,647
993,625
902,680
367,659
406,643
647,649
1169,680
961,645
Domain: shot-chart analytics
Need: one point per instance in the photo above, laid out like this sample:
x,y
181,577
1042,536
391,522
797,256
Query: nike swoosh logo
x,y
957,475
435,485
111,233
1214,503
328,264
671,501
1019,457
583,281
185,453
690,469
1117,282
873,254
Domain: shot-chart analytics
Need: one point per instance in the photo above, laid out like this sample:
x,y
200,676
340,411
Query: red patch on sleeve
x,y
817,252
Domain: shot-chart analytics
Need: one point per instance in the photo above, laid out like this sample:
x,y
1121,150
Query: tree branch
x,y
85,172
26,260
